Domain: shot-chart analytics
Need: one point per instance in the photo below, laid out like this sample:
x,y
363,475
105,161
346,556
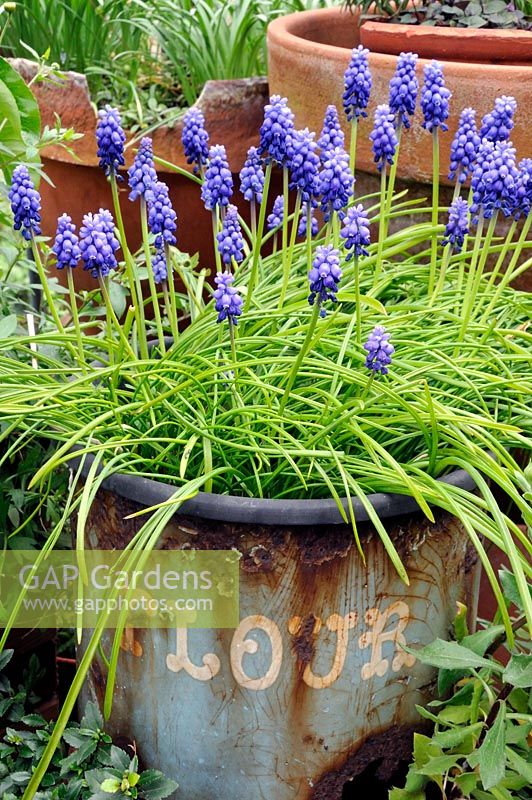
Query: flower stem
x,y
353,145
358,304
288,261
508,276
108,318
151,279
75,317
258,239
135,287
301,355
309,236
466,307
215,230
435,205
112,318
382,225
46,289
391,181
253,216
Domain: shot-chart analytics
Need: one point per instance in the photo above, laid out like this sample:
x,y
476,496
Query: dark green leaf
x,y
491,756
518,673
8,325
153,785
451,655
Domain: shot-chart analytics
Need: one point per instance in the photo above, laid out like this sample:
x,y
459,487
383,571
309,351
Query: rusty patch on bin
x,y
304,639
390,747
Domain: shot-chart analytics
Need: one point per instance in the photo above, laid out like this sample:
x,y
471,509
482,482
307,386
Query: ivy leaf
x,y
153,785
92,718
518,673
491,755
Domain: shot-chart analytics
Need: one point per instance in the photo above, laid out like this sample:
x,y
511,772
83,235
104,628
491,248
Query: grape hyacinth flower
x,y
458,224
332,134
159,267
379,350
356,232
228,302
434,98
302,227
162,219
383,137
25,204
404,87
324,276
252,177
275,219
195,139
464,147
98,243
357,84
523,203
218,184
276,131
498,123
495,179
110,138
335,183
142,174
230,240
304,164
66,243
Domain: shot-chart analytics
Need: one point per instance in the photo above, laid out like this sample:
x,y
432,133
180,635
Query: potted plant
x,y
338,429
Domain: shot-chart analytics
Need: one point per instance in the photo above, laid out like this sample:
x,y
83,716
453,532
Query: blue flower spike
x,y
25,204
379,351
110,139
66,243
324,276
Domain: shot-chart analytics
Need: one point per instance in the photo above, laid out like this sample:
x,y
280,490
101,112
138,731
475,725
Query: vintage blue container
x,y
314,686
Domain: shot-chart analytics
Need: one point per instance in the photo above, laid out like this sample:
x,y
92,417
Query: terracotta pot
x,y
233,113
310,50
468,45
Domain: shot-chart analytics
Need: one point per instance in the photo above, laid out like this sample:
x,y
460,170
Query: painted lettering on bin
x,y
387,626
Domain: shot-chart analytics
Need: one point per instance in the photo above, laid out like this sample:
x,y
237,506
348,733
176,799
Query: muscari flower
x,y
331,135
159,266
252,177
302,227
324,276
228,302
379,350
403,89
464,146
335,182
434,97
218,183
383,137
357,84
275,219
230,240
25,203
495,179
304,164
498,123
110,138
98,243
276,131
458,224
162,218
195,138
66,243
355,231
523,204
141,175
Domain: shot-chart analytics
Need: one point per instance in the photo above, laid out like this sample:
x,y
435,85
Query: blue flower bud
x,y
276,131
458,224
218,184
25,203
228,302
110,139
142,175
332,135
302,227
495,180
195,138
324,276
230,240
159,266
275,219
66,243
464,147
304,164
336,182
98,243
403,89
356,232
383,137
162,219
357,84
498,123
252,177
434,98
379,350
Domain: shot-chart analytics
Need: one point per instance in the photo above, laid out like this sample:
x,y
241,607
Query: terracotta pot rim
x,y
286,32
447,32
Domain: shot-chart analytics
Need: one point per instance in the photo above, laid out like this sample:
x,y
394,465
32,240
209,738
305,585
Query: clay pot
x,y
233,113
468,45
310,50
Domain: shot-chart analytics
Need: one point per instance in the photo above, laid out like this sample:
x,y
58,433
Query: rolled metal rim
x,y
263,511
